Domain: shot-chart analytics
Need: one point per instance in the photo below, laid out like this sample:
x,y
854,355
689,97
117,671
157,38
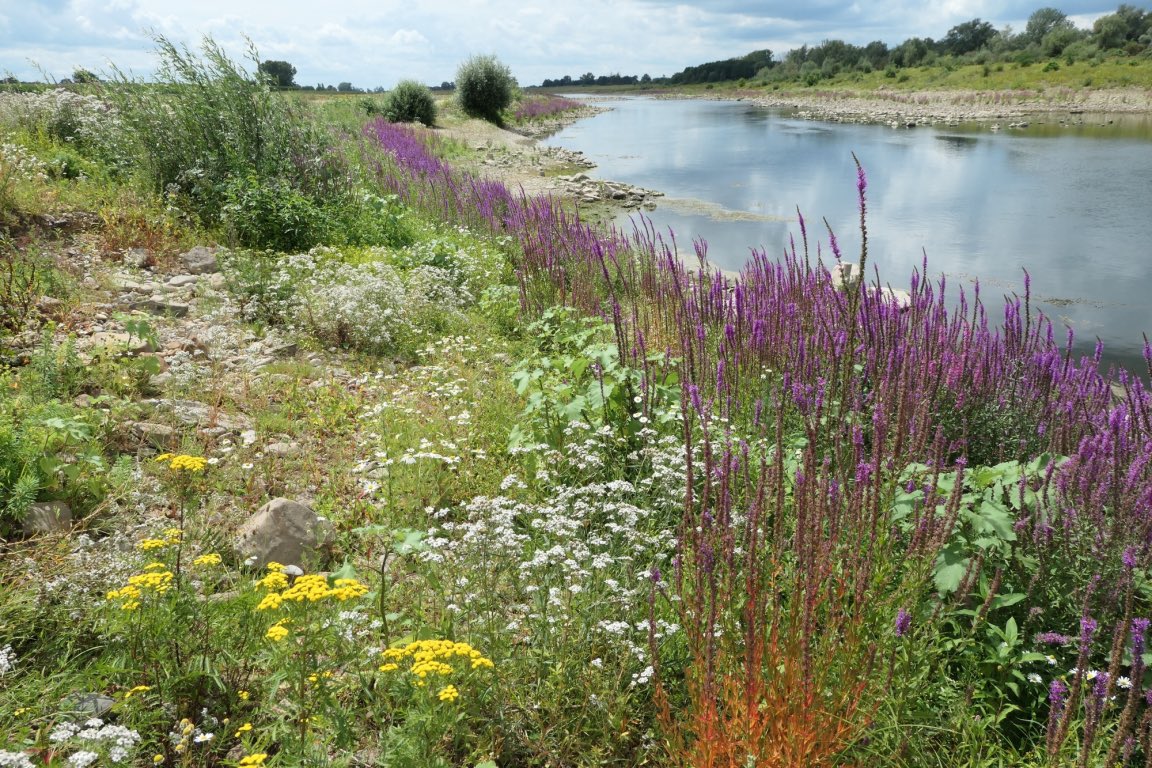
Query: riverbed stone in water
x,y
282,531
845,275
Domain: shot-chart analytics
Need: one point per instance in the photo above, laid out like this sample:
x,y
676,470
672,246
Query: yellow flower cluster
x,y
254,760
137,689
171,538
309,588
277,631
207,560
432,657
156,578
243,729
183,462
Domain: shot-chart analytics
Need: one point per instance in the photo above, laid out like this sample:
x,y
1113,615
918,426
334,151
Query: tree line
x,y
1048,34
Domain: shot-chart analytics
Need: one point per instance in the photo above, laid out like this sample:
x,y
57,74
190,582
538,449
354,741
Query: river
x,y
1071,204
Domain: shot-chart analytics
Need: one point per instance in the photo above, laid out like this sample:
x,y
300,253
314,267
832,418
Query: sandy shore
x,y
926,107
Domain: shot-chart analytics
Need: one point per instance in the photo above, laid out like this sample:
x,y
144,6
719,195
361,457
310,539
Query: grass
x,y
582,507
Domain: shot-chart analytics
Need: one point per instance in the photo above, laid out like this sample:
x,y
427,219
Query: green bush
x,y
410,102
484,87
270,213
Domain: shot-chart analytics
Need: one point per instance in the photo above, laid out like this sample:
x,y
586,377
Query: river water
x,y
1071,204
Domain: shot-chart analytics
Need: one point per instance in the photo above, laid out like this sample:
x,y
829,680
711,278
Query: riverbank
x,y
517,157
905,108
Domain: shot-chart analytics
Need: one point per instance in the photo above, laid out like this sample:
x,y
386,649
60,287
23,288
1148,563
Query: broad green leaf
x,y
950,567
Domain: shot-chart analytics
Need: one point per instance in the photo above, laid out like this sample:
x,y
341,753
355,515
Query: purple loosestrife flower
x,y
903,622
1087,629
1053,638
1129,558
1139,633
1057,693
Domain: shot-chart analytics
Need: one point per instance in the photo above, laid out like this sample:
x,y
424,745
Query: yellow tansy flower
x,y
276,633
253,761
448,693
243,729
207,560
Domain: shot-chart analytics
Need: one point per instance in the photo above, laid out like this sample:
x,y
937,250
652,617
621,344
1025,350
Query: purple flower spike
x,y
1057,693
1087,629
1139,633
903,622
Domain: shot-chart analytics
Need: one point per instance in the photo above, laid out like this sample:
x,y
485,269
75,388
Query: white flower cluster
x,y
95,738
7,660
16,162
14,760
66,116
454,265
582,559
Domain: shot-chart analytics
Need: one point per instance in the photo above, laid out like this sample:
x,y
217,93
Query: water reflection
x,y
1060,201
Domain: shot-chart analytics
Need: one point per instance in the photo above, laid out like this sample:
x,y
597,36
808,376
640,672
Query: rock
x,y
156,435
50,307
282,531
122,342
284,350
200,260
179,281
47,517
158,306
282,450
259,363
901,299
137,257
88,704
199,414
845,275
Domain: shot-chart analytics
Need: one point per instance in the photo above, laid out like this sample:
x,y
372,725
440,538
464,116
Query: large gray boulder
x,y
200,260
47,517
282,531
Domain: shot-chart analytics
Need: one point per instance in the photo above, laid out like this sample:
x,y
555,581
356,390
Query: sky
x,y
371,44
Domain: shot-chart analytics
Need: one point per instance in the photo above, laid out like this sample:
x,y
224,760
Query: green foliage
x,y
48,450
410,102
279,73
271,213
221,145
484,87
577,376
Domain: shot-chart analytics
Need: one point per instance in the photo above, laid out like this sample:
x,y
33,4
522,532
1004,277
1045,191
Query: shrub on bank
x,y
484,87
410,102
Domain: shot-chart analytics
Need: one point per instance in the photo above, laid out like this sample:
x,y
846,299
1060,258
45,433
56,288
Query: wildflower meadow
x,y
570,502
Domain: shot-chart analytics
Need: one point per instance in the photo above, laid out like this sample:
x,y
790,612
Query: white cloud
x,y
340,40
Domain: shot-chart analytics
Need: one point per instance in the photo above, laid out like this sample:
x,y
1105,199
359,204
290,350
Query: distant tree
x,y
876,53
484,87
1125,26
84,76
645,79
279,73
587,78
912,52
344,87
728,69
447,86
1044,21
967,37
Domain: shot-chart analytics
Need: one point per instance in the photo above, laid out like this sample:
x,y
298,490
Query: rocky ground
x,y
517,158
